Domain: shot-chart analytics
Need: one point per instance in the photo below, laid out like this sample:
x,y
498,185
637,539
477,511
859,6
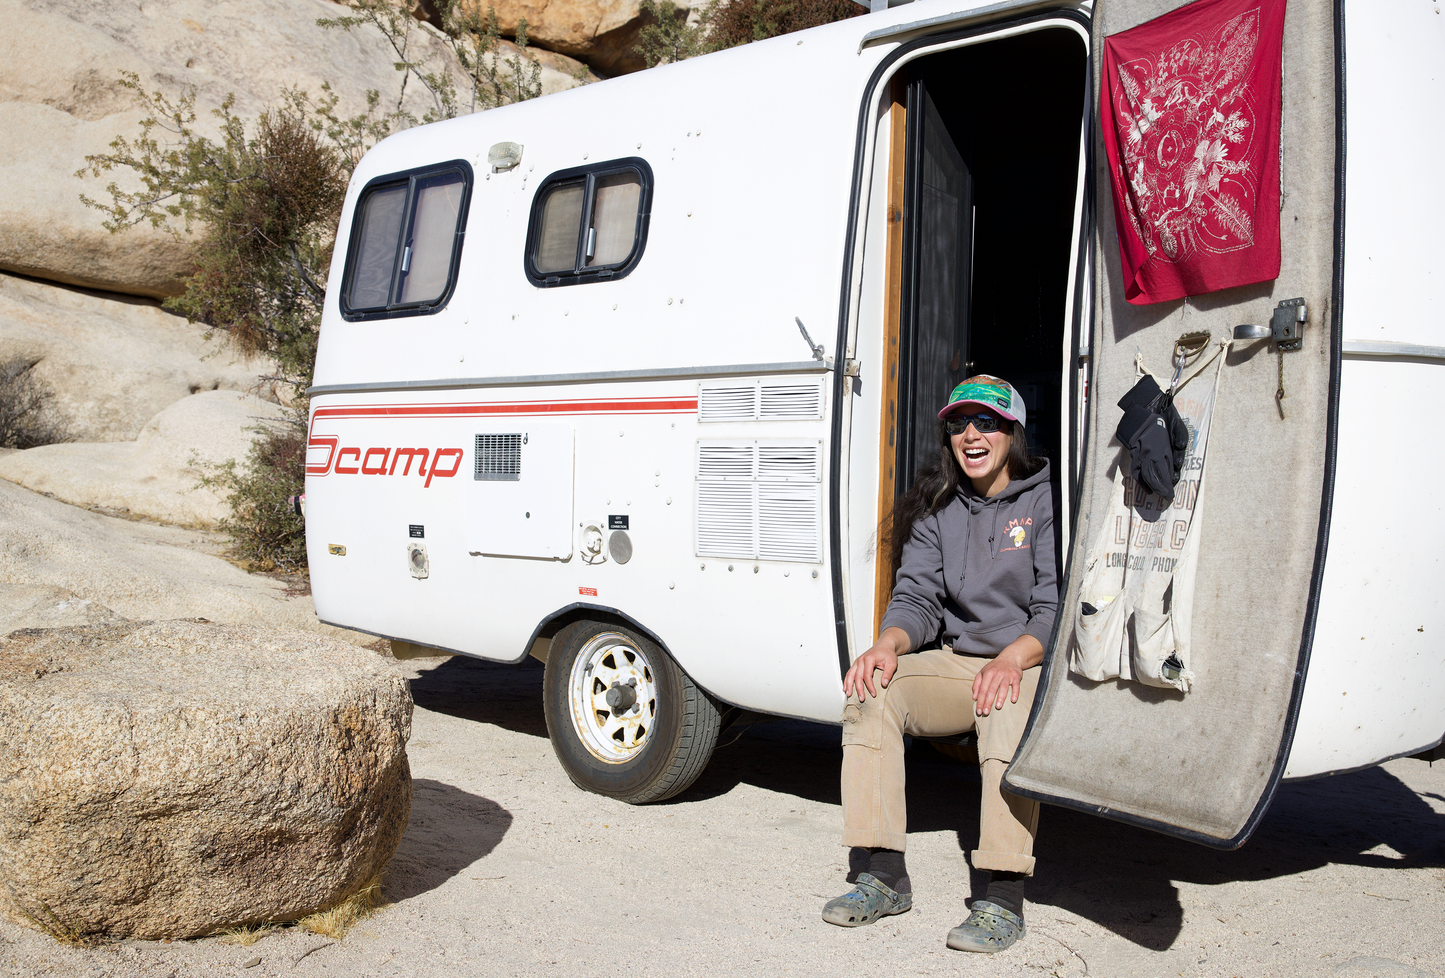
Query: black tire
x,y
642,751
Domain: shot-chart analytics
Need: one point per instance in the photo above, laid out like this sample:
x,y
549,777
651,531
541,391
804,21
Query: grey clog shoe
x,y
988,928
869,899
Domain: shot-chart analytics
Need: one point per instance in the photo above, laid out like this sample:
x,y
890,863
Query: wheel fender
x,y
558,626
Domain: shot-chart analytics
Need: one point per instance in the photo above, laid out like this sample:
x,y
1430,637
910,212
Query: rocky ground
x,y
507,869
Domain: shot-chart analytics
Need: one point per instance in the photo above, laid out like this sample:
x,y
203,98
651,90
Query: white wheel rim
x,y
610,734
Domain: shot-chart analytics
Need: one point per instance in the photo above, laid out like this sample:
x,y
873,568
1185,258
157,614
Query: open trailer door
x,y
1255,494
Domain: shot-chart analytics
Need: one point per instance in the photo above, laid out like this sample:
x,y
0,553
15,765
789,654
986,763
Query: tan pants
x,y
931,696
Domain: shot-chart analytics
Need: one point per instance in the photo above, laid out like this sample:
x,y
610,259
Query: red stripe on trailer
x,y
649,405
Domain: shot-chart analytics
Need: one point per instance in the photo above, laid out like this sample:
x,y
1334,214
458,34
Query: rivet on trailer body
x,y
730,566
815,573
671,585
787,573
669,500
756,568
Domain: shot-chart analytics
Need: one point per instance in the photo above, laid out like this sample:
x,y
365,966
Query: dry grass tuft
x,y
244,936
47,921
334,923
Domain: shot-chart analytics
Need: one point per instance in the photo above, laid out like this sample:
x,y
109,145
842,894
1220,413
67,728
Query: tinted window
x,y
589,224
406,241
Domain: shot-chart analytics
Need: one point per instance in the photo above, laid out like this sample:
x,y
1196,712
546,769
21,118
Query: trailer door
x,y
1203,765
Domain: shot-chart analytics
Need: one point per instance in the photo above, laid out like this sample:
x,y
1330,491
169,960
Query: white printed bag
x,y
1136,605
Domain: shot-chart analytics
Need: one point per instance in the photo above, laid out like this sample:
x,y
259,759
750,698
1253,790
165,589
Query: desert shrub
x,y
474,39
729,23
28,417
737,22
264,529
668,37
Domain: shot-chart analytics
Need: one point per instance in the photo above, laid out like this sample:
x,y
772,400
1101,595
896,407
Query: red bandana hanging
x,y
1190,116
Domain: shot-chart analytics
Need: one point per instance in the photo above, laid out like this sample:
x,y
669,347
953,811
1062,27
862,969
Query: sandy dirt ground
x,y
508,869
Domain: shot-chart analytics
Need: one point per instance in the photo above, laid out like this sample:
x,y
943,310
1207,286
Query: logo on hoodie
x,y
1017,533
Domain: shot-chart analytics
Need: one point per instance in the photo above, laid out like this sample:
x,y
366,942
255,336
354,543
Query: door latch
x,y
1286,326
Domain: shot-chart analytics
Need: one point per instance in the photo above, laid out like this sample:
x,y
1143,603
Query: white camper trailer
x,y
625,378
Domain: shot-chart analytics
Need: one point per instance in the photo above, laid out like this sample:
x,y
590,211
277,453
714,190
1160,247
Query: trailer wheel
x,y
624,720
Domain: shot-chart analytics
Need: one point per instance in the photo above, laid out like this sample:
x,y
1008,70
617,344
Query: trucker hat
x,y
987,391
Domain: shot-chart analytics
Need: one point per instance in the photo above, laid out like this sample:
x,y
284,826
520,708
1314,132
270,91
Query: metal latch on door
x,y
1286,327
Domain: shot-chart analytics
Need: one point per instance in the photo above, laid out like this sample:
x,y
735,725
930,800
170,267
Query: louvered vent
x,y
498,458
791,402
789,524
725,519
784,463
760,499
729,462
727,403
760,402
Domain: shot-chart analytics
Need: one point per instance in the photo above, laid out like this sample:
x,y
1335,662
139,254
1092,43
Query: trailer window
x,y
406,242
589,224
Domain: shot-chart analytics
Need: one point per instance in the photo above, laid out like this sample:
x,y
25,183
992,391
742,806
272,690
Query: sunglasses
x,y
957,424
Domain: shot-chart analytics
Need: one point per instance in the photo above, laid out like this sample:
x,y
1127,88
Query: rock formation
x,y
141,570
156,476
60,87
171,779
113,362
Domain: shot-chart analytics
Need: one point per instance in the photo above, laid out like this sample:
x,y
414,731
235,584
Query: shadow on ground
x,y
1118,876
509,696
450,830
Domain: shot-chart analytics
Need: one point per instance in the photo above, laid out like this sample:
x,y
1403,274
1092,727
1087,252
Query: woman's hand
x,y
883,655
1004,676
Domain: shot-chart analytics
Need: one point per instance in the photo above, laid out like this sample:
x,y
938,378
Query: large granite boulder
x,y
170,779
158,475
602,33
61,99
112,363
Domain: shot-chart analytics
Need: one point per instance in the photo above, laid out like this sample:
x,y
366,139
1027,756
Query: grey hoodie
x,y
983,567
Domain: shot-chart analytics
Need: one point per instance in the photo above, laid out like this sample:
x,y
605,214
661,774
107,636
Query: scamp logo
x,y
429,463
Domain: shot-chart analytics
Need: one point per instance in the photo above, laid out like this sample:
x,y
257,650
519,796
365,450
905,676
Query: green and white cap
x,y
987,391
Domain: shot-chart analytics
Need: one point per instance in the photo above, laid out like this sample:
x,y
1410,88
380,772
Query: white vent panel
x,y
790,522
760,500
727,403
730,462
790,402
783,463
758,401
725,519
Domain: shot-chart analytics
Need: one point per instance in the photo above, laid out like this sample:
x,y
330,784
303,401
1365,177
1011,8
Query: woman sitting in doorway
x,y
977,573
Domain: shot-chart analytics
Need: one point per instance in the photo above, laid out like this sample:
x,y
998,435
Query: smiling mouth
x,y
975,454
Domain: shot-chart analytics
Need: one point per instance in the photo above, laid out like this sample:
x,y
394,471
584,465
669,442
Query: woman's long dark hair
x,y
939,480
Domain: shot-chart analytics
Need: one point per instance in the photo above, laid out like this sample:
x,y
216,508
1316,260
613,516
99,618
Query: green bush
x,y
27,410
265,531
669,37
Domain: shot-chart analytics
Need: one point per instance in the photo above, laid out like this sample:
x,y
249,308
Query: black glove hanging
x,y
1157,438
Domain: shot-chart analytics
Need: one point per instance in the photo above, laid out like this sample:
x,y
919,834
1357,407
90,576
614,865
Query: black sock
x,y
886,866
1006,890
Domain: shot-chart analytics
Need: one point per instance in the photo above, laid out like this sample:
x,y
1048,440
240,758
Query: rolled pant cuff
x,y
875,839
1002,862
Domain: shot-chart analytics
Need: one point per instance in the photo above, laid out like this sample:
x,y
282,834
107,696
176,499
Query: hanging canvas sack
x,y
1136,605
